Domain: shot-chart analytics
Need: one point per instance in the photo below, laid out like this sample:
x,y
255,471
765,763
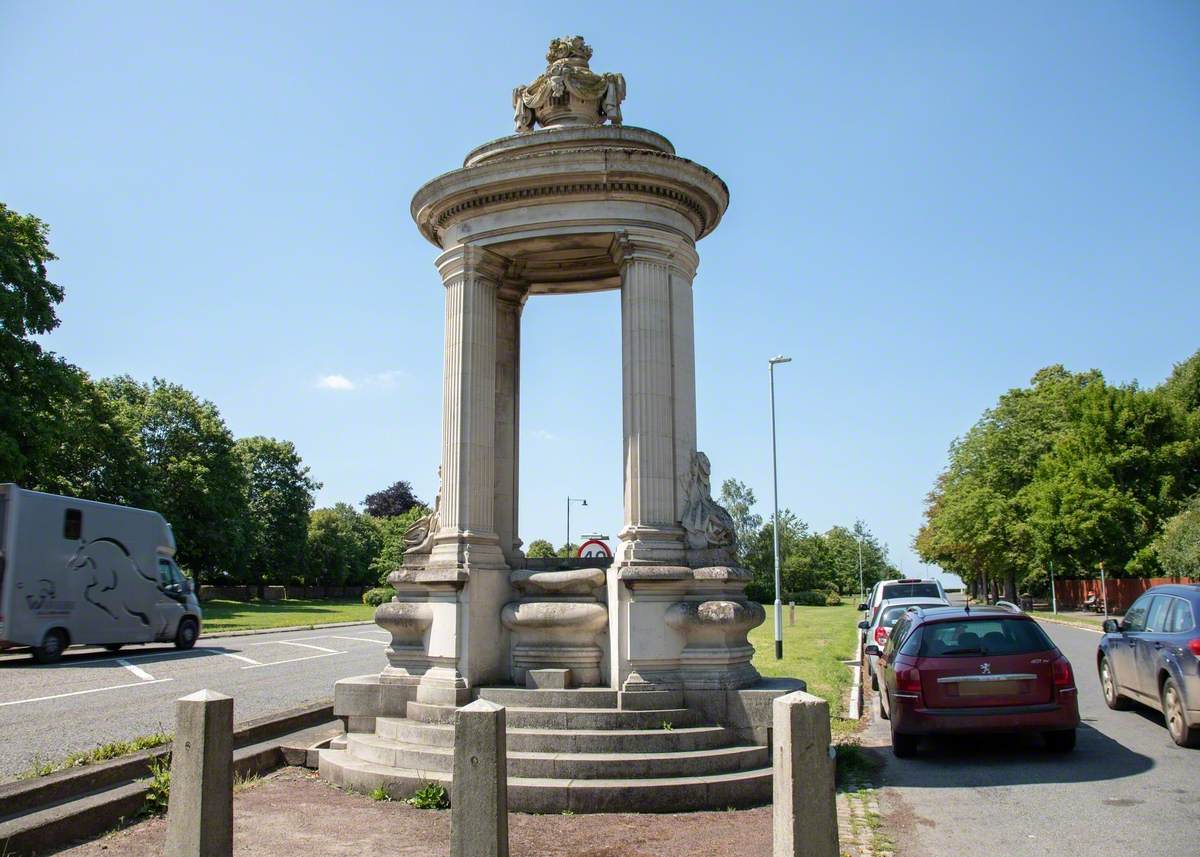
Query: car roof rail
x,y
1008,605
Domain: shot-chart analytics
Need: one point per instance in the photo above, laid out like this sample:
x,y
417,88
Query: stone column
x,y
804,809
468,647
479,803
659,384
510,301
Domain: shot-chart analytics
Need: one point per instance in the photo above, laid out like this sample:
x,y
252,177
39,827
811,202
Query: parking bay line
x,y
82,692
362,639
294,660
137,671
308,646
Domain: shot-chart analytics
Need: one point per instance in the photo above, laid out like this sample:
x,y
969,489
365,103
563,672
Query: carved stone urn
x,y
556,622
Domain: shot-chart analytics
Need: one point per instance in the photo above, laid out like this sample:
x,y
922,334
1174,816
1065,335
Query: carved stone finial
x,y
568,92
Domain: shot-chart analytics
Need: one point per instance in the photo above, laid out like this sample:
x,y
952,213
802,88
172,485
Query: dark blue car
x,y
1152,656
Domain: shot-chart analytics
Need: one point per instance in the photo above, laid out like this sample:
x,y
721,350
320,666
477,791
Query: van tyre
x,y
1060,742
114,647
185,636
1172,707
1112,691
52,647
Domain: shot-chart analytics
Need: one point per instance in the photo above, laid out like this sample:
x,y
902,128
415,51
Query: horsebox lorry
x,y
79,572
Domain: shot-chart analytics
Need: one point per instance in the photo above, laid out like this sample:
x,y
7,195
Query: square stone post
x,y
479,804
659,383
804,811
200,810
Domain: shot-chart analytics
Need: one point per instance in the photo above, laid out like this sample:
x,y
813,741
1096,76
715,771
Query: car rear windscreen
x,y
910,590
991,636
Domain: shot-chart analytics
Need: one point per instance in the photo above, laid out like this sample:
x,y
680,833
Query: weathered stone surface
x,y
804,815
479,809
200,813
548,679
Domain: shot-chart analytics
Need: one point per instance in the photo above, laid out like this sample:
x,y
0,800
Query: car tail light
x,y
881,635
908,680
1063,677
1194,646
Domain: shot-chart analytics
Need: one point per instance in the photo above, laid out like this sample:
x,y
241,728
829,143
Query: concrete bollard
x,y
200,809
804,814
479,807
791,612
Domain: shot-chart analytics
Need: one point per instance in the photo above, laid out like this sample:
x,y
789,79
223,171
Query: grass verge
x,y
814,649
1079,620
104,752
224,615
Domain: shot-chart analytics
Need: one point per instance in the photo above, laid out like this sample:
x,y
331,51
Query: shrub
x,y
833,599
378,595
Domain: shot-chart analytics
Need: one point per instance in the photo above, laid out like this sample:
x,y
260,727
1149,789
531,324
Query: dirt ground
x,y
294,812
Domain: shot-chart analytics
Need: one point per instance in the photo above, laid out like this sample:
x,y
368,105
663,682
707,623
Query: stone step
x,y
584,697
568,718
554,795
591,766
566,740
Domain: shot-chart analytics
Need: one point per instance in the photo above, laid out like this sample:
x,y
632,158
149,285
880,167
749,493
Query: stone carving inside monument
x,y
418,539
568,92
707,524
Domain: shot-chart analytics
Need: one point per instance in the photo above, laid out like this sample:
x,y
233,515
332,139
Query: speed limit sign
x,y
594,548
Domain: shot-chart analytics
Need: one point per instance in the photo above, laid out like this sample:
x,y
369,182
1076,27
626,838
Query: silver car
x,y
879,626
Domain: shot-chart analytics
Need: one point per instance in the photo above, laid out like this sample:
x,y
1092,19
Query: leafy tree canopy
x,y
540,549
392,501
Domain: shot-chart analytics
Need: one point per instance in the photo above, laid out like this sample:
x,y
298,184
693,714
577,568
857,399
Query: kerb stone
x,y
479,805
804,813
200,811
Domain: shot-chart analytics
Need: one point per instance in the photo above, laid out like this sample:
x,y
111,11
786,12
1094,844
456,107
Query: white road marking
x,y
82,692
361,639
236,657
309,646
137,671
294,660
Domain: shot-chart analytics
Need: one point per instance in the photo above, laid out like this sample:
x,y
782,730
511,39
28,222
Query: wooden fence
x,y
1121,591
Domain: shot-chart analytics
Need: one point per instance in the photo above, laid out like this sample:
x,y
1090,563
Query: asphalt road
x,y
1127,789
93,697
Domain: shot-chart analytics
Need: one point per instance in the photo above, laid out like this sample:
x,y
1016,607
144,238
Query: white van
x,y
80,572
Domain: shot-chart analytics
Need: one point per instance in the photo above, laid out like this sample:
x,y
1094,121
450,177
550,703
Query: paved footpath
x,y
93,697
1126,789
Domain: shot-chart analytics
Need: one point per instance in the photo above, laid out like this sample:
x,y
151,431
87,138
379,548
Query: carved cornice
x,y
469,260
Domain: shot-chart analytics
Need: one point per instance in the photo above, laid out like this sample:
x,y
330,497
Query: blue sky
x,y
930,201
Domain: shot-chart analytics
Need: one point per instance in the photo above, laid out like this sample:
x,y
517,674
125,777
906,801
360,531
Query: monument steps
x,y
546,795
566,740
523,764
567,718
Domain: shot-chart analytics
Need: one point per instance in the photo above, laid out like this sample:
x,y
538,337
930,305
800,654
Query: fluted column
x,y
468,527
509,304
658,379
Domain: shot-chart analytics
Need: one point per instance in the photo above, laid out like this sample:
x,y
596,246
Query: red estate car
x,y
956,670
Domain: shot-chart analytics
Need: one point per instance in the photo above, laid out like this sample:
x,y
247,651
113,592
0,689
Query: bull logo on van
x,y
108,561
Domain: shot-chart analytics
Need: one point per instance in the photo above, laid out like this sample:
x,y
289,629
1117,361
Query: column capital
x,y
471,259
674,251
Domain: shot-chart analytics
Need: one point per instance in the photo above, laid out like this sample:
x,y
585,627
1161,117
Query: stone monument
x,y
573,202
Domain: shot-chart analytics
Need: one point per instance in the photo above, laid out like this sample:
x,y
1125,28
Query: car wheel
x,y
185,637
1177,725
51,649
883,715
1112,691
114,647
1060,742
903,746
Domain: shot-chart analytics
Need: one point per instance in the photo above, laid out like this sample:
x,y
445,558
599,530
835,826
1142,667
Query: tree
x,y
279,496
540,549
391,502
738,499
391,541
192,475
1178,546
341,545
569,549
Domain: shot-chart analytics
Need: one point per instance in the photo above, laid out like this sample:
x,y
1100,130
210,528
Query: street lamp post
x,y
571,500
862,592
775,519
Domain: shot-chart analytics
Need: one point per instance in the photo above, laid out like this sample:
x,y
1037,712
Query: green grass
x,y
104,752
223,615
1080,620
813,649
